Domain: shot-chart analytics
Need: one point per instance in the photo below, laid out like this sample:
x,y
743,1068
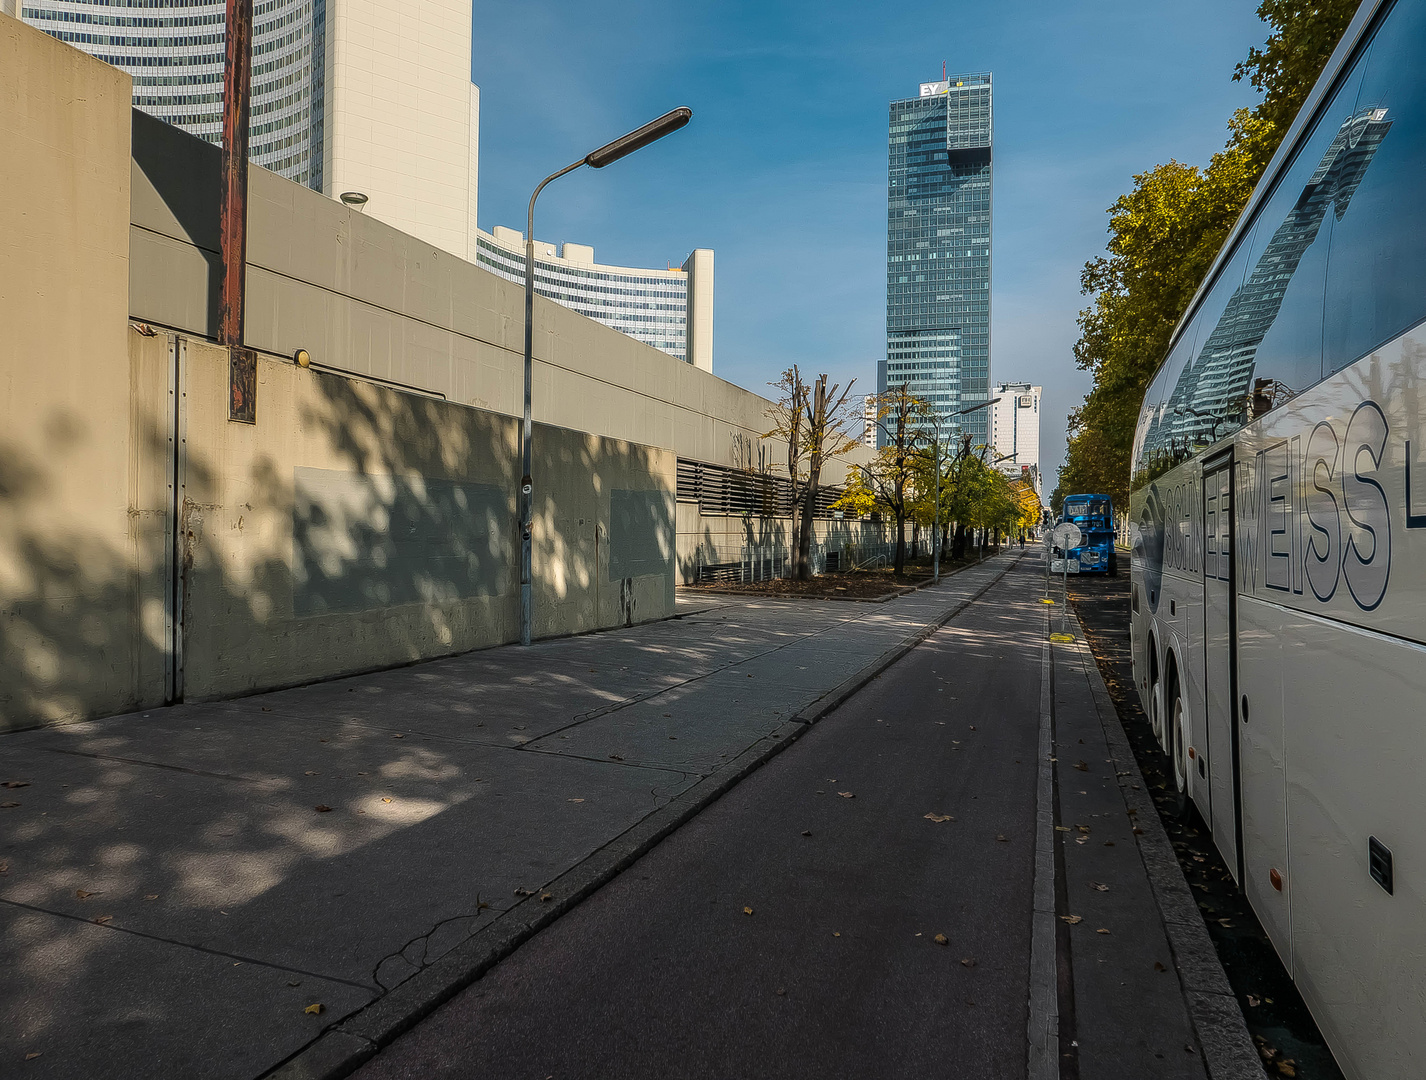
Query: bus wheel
x,y
1156,710
1180,805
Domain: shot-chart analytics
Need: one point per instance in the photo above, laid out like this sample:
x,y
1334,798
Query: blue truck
x,y
1094,514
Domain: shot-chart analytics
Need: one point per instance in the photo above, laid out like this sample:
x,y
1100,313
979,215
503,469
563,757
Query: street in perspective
x,y
424,655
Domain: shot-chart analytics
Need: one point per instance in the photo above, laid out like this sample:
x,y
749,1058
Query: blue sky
x,y
783,168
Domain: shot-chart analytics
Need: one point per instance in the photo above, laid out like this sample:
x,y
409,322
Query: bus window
x,y
1376,266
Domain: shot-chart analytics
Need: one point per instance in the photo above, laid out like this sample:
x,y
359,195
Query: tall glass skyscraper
x,y
938,250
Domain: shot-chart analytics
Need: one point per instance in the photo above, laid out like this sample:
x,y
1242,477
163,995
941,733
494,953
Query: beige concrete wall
x,y
355,527
365,298
401,116
68,597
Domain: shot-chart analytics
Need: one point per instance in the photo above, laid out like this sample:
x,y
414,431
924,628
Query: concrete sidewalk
x,y
179,889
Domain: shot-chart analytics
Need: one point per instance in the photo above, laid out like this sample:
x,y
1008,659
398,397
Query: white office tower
x,y
1015,431
347,95
869,419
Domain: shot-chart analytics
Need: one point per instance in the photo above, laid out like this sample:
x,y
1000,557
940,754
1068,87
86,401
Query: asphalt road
x,y
791,929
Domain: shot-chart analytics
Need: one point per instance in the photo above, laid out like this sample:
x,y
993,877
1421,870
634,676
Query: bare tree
x,y
827,430
788,414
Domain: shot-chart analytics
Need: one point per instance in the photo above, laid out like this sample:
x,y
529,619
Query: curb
x,y
337,1052
1228,1050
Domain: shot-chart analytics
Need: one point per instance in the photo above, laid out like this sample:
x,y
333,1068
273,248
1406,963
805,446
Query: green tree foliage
x,y
1289,62
1164,235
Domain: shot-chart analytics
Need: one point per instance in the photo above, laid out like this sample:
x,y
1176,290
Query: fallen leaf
x,y
481,905
103,920
314,1009
938,818
1101,930
846,794
1098,886
781,991
265,709
1109,843
1285,1069
322,808
1081,766
806,832
1072,919
31,1056
545,898
385,799
8,805
1159,966
1062,828
615,757
968,961
84,894
151,896
15,783
310,772
398,736
941,939
4,868
836,933
574,800
1254,1000
1001,838
524,892
298,983
747,911
1138,831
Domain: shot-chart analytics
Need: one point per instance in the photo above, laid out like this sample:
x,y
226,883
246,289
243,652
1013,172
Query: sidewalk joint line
x,y
189,945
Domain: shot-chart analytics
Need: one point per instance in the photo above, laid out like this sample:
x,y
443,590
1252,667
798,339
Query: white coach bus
x,y
1279,548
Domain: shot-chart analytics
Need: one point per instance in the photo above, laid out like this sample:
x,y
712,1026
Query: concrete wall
x,y
364,298
69,608
355,526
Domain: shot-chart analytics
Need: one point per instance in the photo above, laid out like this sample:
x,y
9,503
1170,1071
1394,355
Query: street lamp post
x,y
936,545
597,159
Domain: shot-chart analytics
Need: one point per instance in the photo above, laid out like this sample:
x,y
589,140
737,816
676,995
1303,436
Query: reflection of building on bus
x,y
1279,549
1215,393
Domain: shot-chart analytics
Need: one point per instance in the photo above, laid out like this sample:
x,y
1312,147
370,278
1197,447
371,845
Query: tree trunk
x,y
958,551
900,564
804,532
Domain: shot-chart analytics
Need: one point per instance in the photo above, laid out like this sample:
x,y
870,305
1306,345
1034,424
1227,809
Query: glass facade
x,y
650,306
938,249
175,51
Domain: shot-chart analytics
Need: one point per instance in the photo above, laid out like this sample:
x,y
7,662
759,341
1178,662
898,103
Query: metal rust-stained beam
x,y
233,218
233,212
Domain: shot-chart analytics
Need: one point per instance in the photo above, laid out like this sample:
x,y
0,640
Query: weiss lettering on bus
x,y
1313,514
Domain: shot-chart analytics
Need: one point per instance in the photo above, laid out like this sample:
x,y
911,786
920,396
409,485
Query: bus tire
x,y
1179,804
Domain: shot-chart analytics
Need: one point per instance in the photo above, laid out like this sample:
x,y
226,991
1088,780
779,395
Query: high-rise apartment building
x,y
671,309
347,95
1015,431
938,250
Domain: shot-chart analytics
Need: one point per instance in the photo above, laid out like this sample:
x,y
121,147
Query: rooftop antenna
x,y
943,71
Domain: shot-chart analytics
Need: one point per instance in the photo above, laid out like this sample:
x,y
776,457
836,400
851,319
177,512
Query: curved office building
x,y
672,310
174,51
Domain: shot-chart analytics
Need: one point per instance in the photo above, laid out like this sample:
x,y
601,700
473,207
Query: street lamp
x,y
596,159
936,546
